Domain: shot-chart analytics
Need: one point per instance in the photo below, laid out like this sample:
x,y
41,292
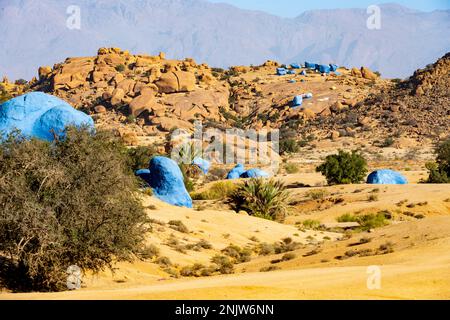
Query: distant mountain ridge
x,y
34,33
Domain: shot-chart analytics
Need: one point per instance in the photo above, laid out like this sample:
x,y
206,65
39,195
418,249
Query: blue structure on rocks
x,y
40,115
386,176
298,101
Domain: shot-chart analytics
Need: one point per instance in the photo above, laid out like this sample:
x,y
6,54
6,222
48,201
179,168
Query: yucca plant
x,y
268,199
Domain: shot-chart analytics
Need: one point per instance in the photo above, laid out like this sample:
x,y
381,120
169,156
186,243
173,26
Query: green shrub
x,y
439,171
178,226
317,194
223,263
366,221
291,168
268,199
219,190
311,224
120,68
344,167
288,146
71,202
139,157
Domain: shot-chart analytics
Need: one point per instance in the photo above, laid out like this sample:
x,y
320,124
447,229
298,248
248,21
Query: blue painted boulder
x,y
307,95
333,67
295,66
255,173
297,101
291,72
166,180
310,65
203,164
144,174
386,176
40,115
303,73
292,81
236,172
281,71
323,68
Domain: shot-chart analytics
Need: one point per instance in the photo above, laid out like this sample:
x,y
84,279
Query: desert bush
x,y
366,221
223,263
439,171
120,68
139,157
291,168
344,167
219,190
237,253
318,194
288,146
311,224
178,226
70,202
269,268
268,199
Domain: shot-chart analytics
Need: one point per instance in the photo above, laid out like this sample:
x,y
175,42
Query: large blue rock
x,y
203,164
386,176
255,173
166,180
40,115
310,65
144,174
281,71
333,67
236,172
291,72
295,66
323,68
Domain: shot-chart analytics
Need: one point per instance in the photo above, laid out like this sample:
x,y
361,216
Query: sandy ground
x,y
418,267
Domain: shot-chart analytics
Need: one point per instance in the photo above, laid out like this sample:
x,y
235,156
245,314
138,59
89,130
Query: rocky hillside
x,y
142,96
417,107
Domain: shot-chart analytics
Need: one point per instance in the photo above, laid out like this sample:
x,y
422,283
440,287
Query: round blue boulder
x,y
386,176
40,115
255,173
323,68
203,164
281,71
236,172
166,180
333,67
295,66
144,174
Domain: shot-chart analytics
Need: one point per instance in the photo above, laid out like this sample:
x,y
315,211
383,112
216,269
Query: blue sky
x,y
292,8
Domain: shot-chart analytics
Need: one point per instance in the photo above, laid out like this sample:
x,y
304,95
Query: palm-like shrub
x,y
268,199
344,167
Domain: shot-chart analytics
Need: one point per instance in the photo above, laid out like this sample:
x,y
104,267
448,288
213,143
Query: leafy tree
x,y
439,171
344,167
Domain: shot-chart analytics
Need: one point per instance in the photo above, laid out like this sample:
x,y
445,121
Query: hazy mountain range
x,y
34,33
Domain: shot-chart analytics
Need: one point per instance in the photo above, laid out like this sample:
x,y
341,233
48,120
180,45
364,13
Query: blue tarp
x,y
386,176
236,172
40,115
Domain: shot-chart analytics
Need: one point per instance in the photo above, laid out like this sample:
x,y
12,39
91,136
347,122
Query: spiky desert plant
x,y
268,199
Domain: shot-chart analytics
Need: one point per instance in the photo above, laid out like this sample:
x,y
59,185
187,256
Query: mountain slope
x,y
34,33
